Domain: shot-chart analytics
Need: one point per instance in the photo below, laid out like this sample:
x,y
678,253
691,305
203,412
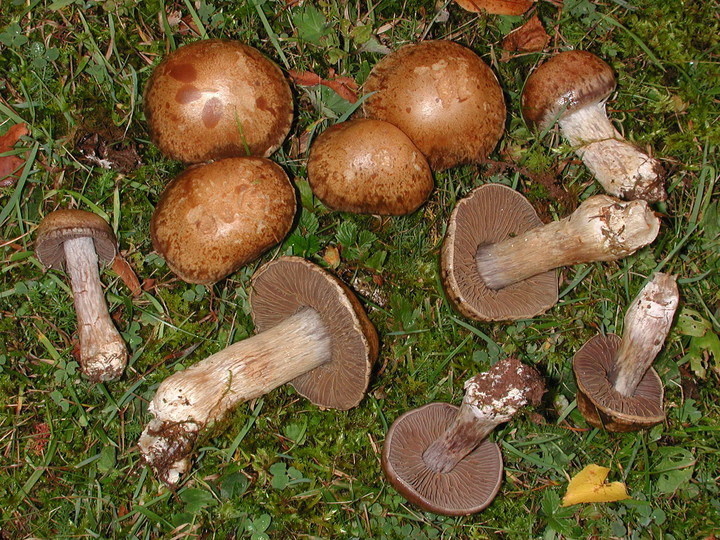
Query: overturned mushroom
x,y
617,387
313,333
572,88
439,457
477,269
79,241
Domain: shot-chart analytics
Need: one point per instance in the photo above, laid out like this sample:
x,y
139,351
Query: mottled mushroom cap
x,y
216,98
214,218
468,488
368,167
489,214
286,285
67,224
496,7
442,96
602,405
566,82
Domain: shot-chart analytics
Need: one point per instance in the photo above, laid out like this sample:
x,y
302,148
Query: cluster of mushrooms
x,y
223,108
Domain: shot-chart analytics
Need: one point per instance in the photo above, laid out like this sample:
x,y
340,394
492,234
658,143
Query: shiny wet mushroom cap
x,y
368,166
216,98
442,96
496,7
312,332
79,241
214,218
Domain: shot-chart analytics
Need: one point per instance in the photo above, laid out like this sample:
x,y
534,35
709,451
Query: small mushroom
x,y
312,332
496,255
368,166
439,457
617,387
572,88
214,218
217,98
496,7
442,96
80,241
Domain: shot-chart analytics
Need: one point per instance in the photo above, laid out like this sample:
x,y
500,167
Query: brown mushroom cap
x,y
496,7
443,96
491,213
566,82
602,405
62,225
214,218
468,488
368,167
284,286
217,98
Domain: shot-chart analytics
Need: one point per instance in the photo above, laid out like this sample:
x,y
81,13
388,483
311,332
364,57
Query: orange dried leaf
x,y
9,165
588,486
123,269
530,37
345,87
496,7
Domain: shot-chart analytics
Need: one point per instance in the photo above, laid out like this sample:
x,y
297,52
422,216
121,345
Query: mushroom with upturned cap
x,y
439,457
214,218
80,241
497,259
617,387
368,166
312,333
572,88
442,96
217,98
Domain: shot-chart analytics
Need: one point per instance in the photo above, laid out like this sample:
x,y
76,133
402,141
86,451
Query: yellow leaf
x,y
589,486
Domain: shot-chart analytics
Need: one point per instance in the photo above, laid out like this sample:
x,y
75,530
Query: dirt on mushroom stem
x,y
491,398
647,324
601,229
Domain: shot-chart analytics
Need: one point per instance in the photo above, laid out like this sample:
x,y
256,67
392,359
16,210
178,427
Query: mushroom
x,y
617,387
312,332
572,88
439,457
368,166
496,256
217,98
442,96
496,7
214,218
79,241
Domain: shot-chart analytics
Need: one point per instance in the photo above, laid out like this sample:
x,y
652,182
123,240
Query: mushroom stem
x,y
188,401
622,168
491,398
647,324
103,354
601,229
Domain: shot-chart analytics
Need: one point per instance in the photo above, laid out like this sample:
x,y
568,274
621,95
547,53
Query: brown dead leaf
x,y
530,37
9,165
123,269
345,87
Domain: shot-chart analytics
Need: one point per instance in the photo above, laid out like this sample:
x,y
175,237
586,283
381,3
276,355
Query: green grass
x,y
281,468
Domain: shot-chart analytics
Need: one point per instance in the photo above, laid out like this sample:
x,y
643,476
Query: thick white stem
x,y
647,323
103,354
188,401
601,229
622,168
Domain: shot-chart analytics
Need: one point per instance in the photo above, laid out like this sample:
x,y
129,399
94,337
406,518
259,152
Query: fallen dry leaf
x,y
496,7
345,87
588,486
10,164
530,37
123,269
